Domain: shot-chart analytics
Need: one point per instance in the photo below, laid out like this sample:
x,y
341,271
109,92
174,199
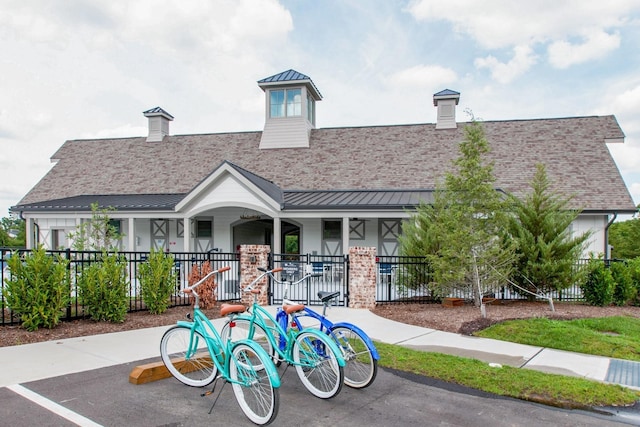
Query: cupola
x,y
446,101
158,124
290,110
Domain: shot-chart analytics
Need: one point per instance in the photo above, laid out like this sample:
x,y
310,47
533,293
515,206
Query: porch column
x,y
345,236
277,236
186,236
132,235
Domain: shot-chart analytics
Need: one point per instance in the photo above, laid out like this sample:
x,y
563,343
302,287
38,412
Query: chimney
x,y
446,101
158,124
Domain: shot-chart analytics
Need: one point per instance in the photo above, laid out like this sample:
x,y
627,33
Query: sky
x,y
76,69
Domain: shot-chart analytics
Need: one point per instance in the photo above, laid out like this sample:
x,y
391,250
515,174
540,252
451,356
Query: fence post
x,y
362,277
252,257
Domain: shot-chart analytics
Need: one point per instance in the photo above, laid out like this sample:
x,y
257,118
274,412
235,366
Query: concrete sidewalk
x,y
30,362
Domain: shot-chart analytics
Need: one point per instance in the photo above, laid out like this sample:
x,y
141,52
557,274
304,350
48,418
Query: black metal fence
x,y
184,263
398,279
406,279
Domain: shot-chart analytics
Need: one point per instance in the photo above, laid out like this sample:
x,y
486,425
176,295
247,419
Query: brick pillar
x,y
362,277
252,257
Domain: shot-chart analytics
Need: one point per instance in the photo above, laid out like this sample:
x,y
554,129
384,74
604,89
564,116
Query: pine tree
x,y
459,233
547,250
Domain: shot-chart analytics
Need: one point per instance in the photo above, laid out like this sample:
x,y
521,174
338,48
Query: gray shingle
x,y
402,158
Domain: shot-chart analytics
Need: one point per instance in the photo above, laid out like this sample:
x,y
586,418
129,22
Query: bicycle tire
x,y
317,366
258,335
195,369
361,368
252,386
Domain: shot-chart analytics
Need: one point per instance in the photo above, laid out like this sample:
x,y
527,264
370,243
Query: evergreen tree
x,y
625,238
458,234
547,250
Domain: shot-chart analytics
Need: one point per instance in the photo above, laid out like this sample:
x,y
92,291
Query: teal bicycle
x,y
196,355
316,358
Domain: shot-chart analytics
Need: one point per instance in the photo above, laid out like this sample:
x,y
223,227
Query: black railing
x,y
184,262
330,271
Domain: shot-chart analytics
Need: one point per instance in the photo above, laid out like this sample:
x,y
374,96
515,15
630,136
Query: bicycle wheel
x,y
253,388
259,335
186,356
316,365
361,368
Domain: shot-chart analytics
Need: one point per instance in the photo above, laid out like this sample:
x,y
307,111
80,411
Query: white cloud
x,y
598,44
423,76
502,24
523,59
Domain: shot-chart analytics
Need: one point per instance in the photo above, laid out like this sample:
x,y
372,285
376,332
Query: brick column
x,y
362,277
252,257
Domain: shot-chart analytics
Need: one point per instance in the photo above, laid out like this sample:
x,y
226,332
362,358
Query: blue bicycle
x,y
358,350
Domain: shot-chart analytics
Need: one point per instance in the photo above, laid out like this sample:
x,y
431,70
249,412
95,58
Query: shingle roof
x,y
379,158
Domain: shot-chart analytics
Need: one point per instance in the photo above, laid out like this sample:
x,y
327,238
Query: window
x,y
115,225
277,103
332,230
310,112
294,102
292,107
204,229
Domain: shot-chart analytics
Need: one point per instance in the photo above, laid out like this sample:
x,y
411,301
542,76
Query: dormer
x,y
290,110
446,101
158,123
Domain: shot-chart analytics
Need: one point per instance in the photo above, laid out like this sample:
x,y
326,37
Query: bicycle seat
x,y
327,295
293,308
227,309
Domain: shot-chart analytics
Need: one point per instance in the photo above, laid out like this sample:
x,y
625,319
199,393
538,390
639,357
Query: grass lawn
x,y
617,337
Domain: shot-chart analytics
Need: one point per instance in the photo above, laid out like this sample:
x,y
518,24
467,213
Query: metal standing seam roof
x,y
121,202
291,76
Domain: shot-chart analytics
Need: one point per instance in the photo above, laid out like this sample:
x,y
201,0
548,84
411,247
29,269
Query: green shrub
x,y
634,272
157,281
624,290
37,288
599,286
104,288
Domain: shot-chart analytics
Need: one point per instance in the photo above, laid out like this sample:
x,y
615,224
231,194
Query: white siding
x,y
286,132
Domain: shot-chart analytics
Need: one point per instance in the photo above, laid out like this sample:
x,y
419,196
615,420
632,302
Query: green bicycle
x,y
196,355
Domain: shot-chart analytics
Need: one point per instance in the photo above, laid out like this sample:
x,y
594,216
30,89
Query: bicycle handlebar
x,y
271,272
190,289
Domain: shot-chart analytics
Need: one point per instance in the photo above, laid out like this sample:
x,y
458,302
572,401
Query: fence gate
x,y
332,275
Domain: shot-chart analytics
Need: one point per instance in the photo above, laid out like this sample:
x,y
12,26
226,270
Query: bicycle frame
x,y
219,347
284,345
326,325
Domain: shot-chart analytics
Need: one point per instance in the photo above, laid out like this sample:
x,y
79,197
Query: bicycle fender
x,y
363,335
269,367
332,345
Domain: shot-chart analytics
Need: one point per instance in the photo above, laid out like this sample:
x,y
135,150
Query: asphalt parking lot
x,y
105,397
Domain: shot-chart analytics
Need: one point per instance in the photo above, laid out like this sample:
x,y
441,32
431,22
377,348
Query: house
x,y
328,189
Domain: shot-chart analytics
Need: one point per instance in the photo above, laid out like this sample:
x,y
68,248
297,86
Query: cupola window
x,y
286,103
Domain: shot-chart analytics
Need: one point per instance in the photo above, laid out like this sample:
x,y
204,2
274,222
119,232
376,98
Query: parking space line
x,y
52,406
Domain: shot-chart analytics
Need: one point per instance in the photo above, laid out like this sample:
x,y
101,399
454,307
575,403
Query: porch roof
x,y
121,202
293,200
